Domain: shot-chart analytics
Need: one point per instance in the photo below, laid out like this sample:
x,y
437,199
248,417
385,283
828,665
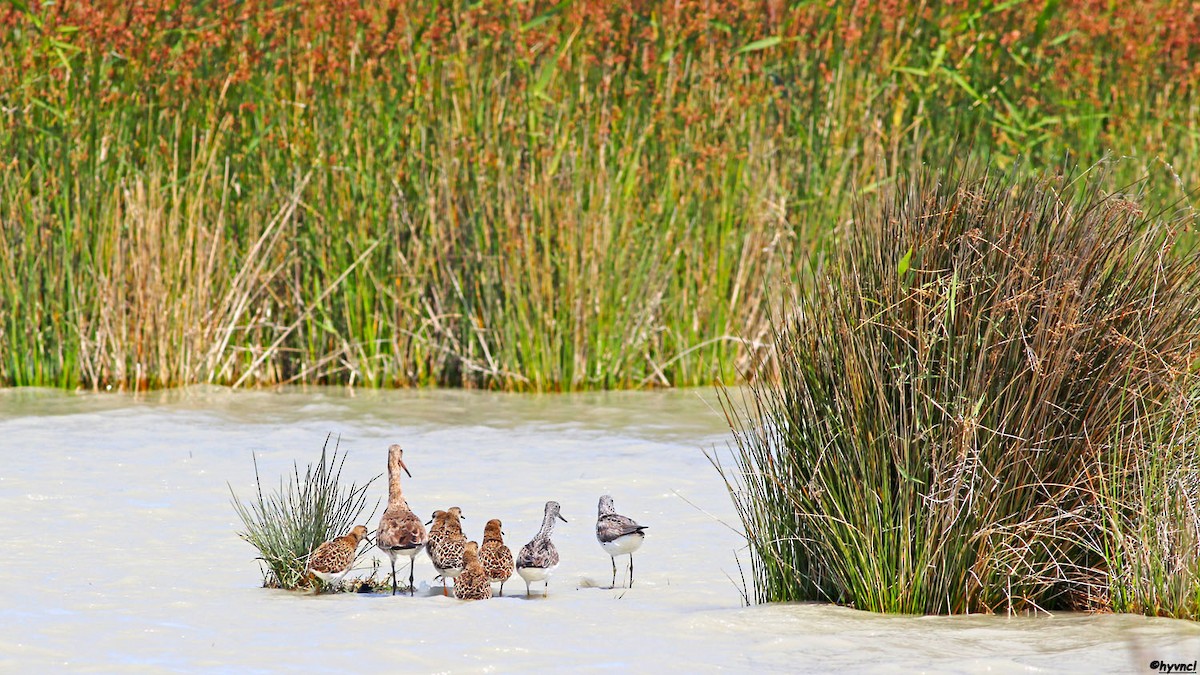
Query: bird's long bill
x,y
403,466
561,518
429,522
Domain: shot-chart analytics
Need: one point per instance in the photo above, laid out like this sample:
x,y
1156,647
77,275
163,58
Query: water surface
x,y
122,553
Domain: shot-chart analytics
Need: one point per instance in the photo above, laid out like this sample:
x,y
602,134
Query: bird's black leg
x,y
393,575
412,590
614,562
631,570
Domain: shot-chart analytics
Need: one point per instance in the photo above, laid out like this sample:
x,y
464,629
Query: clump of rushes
x,y
957,392
288,524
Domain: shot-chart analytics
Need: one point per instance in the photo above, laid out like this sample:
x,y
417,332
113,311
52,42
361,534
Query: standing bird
x,y
496,558
538,558
473,583
618,535
437,531
447,543
333,559
400,530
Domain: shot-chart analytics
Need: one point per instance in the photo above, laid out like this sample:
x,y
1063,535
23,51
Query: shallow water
x,y
122,553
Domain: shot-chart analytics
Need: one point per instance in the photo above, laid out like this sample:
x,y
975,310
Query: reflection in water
x,y
128,554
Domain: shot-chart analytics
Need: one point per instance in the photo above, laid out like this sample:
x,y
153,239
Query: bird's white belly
x,y
450,573
330,577
624,545
403,552
536,573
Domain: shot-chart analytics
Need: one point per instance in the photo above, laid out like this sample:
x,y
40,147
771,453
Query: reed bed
x,y
982,406
531,196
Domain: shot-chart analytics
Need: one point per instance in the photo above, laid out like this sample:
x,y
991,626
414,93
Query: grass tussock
x,y
534,195
287,524
965,405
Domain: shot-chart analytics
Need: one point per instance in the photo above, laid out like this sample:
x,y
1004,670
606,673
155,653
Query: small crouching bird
x,y
333,559
618,535
473,582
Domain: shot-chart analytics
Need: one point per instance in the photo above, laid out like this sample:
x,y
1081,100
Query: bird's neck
x,y
395,493
547,525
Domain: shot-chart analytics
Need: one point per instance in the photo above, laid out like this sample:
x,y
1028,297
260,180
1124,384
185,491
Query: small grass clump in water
x,y
951,427
290,523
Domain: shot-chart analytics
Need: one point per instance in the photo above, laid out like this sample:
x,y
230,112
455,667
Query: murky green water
x,y
122,555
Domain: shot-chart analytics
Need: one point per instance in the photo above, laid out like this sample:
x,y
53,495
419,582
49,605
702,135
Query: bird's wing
x,y
538,553
334,555
613,526
448,553
401,530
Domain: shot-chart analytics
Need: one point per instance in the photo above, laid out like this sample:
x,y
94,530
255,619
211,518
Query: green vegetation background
x,y
522,195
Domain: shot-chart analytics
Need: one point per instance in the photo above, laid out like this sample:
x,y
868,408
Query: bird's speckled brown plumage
x,y
442,525
496,558
447,544
473,583
333,559
401,532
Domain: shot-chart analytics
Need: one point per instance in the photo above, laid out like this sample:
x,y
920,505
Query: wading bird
x,y
618,535
497,558
538,558
447,543
400,530
473,583
332,560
